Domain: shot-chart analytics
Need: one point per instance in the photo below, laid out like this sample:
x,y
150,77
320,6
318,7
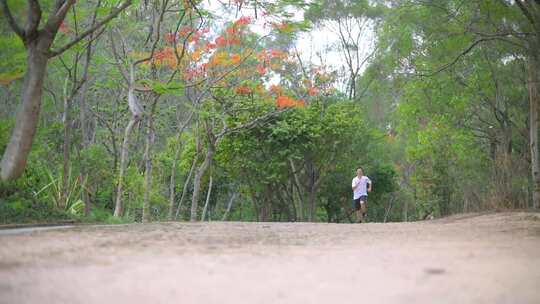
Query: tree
x,y
38,42
226,76
353,24
464,76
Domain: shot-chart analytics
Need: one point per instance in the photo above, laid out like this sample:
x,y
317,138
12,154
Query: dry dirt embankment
x,y
493,258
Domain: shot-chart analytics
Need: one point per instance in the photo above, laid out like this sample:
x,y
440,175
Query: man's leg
x,y
359,216
358,210
363,206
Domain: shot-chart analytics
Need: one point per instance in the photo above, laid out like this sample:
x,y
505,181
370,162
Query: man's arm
x,y
369,186
354,186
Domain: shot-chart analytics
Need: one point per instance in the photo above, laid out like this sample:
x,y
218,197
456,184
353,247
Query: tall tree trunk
x,y
197,181
85,137
267,209
66,150
314,181
186,185
533,127
191,170
314,188
148,169
172,183
256,209
85,140
20,143
37,42
136,115
173,168
297,186
205,209
119,208
391,202
229,206
291,200
405,210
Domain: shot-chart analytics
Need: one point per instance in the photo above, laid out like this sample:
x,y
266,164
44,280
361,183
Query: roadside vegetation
x,y
138,111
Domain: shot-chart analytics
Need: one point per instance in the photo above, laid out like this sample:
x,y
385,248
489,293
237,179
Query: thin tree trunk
x,y
191,170
85,142
289,198
313,202
197,181
119,208
20,143
205,209
256,208
313,189
297,185
136,115
533,128
85,137
229,206
405,210
312,206
66,146
148,169
186,185
172,183
387,211
173,168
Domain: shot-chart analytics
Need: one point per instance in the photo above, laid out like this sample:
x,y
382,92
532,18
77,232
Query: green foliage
x,y
334,10
5,127
54,194
439,124
328,136
171,88
453,123
12,59
15,209
103,216
19,205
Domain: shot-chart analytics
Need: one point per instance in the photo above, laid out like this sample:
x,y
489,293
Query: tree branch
x,y
117,59
157,35
34,17
461,55
11,21
99,24
58,15
526,12
251,123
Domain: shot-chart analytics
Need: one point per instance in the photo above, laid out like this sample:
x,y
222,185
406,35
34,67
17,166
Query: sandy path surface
x,y
492,258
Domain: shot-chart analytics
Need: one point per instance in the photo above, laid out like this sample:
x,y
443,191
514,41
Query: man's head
x,y
359,172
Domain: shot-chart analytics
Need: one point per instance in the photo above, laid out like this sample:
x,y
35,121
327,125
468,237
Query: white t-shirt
x,y
362,189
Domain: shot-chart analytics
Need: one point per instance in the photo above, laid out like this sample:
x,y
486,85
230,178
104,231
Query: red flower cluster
x,y
243,90
244,20
222,41
185,30
171,37
312,91
276,89
233,33
287,102
261,69
195,72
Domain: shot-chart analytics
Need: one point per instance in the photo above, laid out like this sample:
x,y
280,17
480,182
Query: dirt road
x,y
492,258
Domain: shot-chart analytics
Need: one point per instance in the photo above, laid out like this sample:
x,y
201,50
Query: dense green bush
x,y
19,206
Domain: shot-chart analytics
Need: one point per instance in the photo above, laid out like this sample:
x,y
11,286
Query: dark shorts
x,y
356,202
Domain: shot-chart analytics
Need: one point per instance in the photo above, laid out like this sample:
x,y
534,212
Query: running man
x,y
361,185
